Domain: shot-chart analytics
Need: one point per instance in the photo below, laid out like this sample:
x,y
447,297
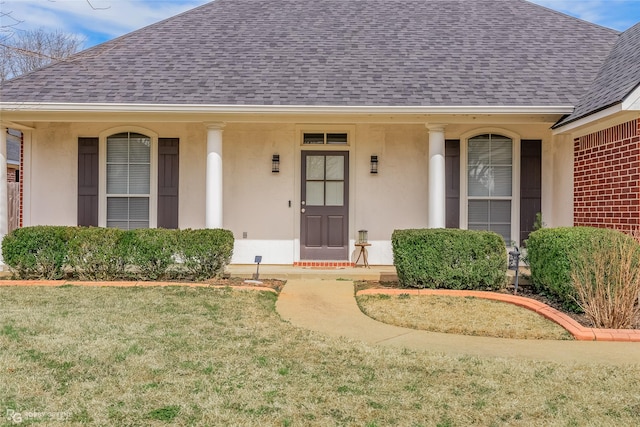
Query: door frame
x,y
301,129
324,253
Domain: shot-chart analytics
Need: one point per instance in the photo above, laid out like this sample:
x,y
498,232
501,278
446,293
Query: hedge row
x,y
450,259
554,253
90,253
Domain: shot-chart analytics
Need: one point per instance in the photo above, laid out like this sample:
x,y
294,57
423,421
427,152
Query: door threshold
x,y
325,264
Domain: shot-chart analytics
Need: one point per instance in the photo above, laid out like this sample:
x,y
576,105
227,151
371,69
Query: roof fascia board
x,y
30,117
281,109
632,101
585,121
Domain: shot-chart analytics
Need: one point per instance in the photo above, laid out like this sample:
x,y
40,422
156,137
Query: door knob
x,y
303,210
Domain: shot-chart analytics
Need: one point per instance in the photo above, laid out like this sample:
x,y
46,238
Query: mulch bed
x,y
527,292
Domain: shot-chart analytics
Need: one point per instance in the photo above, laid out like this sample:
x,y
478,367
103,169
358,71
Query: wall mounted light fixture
x,y
374,164
275,163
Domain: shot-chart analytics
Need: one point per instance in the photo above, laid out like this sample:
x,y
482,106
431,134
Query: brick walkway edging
x,y
579,332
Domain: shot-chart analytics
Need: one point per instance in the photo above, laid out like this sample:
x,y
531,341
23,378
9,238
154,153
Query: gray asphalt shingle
x,y
336,52
618,77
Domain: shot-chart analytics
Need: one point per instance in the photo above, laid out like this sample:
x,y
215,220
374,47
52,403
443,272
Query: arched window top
x,y
490,132
128,135
135,131
127,147
489,137
488,151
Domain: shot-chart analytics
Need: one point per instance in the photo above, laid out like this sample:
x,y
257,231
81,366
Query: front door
x,y
324,217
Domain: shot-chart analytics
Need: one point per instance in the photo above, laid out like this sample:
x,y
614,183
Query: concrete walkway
x,y
329,307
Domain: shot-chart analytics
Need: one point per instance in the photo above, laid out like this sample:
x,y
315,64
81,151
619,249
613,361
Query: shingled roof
x,y
618,77
336,53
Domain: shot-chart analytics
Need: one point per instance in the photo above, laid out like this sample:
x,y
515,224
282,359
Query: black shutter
x,y
530,185
168,162
452,172
88,181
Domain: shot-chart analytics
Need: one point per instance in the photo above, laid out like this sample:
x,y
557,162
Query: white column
x,y
4,203
213,202
437,187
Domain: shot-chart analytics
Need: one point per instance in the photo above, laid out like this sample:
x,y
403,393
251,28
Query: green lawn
x,y
201,356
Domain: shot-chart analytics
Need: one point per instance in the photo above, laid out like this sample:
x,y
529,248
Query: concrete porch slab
x,y
384,273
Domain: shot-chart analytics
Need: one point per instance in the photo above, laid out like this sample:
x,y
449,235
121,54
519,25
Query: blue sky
x,y
96,21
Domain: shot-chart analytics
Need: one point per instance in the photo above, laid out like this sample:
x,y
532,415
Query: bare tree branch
x,y
91,5
33,49
97,8
26,52
9,23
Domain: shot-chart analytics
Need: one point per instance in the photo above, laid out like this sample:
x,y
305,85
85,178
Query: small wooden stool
x,y
363,254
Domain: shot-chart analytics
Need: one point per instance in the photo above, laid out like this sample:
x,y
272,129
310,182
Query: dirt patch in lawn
x,y
274,284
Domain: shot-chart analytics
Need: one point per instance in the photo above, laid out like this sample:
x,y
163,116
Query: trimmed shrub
x,y
38,252
554,253
98,253
150,252
450,259
204,253
92,253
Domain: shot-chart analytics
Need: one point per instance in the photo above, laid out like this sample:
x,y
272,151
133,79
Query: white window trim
x,y
515,179
302,129
102,180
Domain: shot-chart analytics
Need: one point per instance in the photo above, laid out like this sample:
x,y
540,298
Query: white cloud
x,y
589,10
618,14
111,18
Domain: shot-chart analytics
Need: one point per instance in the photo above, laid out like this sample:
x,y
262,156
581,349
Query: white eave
x,y
629,104
632,101
600,115
278,109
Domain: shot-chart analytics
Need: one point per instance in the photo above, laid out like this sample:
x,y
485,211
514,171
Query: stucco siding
x,y
256,200
561,186
52,169
397,196
192,173
262,208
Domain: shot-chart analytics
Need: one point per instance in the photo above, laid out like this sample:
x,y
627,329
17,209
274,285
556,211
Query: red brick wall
x,y
606,173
